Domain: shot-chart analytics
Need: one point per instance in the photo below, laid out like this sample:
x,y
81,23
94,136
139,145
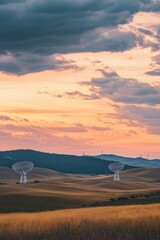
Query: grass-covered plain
x,y
140,222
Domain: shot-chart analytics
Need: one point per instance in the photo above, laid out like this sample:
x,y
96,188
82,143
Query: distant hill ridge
x,y
73,164
137,162
58,162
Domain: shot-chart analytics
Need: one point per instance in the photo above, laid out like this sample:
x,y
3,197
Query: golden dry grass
x,y
140,222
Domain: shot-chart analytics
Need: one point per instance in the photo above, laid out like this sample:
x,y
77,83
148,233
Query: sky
x,y
80,76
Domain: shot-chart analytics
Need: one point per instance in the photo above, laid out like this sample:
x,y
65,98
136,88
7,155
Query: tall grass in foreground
x,y
103,223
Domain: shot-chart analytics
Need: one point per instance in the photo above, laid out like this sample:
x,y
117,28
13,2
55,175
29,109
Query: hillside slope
x,y
61,190
57,162
136,162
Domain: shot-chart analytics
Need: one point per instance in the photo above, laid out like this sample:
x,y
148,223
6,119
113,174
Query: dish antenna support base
x,y
116,177
23,178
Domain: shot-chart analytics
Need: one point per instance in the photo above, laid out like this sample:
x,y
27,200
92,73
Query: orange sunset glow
x,y
85,82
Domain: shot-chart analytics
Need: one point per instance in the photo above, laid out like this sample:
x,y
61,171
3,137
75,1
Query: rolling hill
x,y
136,162
57,190
58,162
67,181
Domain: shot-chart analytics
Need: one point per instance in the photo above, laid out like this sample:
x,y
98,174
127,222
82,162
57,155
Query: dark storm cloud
x,y
125,90
53,26
152,6
112,40
39,29
34,63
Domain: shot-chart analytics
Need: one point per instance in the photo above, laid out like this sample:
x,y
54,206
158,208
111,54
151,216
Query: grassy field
x,y
68,191
141,222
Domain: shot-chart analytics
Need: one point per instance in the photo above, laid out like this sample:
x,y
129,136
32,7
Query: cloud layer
x,y
134,101
124,90
32,31
148,117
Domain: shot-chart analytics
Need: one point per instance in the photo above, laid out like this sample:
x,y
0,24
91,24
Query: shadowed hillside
x,y
57,190
57,162
137,162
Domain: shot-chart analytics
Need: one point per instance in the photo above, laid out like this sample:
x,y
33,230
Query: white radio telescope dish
x,y
116,167
23,168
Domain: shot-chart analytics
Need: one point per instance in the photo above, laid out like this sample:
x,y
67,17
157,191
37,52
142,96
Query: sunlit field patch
x,y
140,222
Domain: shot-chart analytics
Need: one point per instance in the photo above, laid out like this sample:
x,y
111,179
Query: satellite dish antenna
x,y
116,167
23,168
